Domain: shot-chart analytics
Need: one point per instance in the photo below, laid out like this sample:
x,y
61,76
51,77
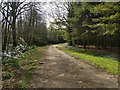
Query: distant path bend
x,y
60,70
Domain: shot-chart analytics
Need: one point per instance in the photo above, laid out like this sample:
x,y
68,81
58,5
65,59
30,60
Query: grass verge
x,y
19,71
100,60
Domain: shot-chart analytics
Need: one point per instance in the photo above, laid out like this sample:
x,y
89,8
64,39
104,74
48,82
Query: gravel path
x,y
60,70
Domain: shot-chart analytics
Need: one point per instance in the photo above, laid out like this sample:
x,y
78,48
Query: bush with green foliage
x,y
7,75
17,52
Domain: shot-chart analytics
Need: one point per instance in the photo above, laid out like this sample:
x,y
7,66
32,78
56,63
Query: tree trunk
x,y
0,41
88,44
105,43
84,44
9,35
14,31
69,36
0,58
98,43
5,38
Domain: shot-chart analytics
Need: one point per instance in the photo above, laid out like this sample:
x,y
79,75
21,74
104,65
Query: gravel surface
x,y
60,70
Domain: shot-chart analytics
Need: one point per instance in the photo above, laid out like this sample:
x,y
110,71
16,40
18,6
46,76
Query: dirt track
x,y
60,70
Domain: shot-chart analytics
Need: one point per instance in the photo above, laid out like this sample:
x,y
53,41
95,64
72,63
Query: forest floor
x,y
58,69
17,73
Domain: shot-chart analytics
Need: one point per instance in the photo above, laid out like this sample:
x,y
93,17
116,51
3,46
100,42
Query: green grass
x,y
23,68
98,59
59,46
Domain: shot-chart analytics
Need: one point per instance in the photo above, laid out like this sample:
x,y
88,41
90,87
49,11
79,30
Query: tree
x,y
10,14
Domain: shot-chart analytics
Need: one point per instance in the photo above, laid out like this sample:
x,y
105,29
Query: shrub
x,y
6,75
17,52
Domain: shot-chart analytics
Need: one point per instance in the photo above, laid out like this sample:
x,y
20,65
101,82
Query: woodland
x,y
83,25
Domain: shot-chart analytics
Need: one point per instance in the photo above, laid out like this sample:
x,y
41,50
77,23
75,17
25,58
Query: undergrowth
x,y
18,72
